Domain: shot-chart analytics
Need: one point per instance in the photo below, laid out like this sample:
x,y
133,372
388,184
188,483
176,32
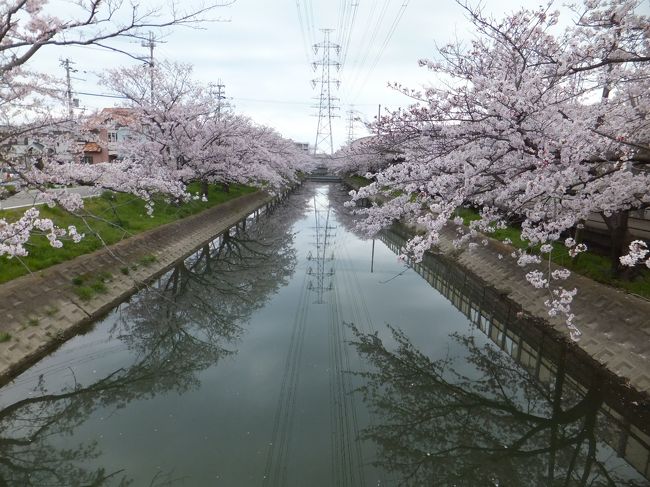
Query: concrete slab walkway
x,y
615,325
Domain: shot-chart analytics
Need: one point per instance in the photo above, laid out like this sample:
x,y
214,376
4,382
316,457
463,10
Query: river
x,y
294,352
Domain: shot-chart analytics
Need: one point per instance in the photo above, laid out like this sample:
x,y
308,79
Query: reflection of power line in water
x,y
275,472
347,457
399,274
347,464
357,314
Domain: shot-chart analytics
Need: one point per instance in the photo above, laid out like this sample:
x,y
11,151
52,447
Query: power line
x,y
236,98
347,38
282,102
361,75
303,31
102,95
311,31
389,36
375,32
342,20
372,29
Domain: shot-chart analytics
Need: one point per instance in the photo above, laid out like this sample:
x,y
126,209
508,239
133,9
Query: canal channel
x,y
292,351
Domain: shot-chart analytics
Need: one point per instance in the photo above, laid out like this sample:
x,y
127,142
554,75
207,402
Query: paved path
x,y
41,310
31,197
615,325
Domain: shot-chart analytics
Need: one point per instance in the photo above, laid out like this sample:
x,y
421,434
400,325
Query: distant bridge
x,y
322,175
324,178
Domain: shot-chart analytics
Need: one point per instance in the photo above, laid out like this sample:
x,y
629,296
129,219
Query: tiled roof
x,y
92,147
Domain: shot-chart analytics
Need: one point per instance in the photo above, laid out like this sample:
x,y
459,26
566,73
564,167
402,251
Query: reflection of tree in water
x,y
27,425
338,196
174,330
491,424
203,302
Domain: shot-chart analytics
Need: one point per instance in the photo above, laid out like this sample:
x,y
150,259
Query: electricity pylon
x,y
326,102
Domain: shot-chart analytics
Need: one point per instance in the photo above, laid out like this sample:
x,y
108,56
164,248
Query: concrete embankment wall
x,y
42,310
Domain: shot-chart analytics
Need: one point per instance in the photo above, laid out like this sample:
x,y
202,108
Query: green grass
x,y
4,336
148,259
358,181
113,216
87,285
51,311
85,293
588,264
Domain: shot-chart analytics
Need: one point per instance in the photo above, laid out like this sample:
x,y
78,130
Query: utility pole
x,y
219,92
326,102
67,65
351,125
150,43
379,119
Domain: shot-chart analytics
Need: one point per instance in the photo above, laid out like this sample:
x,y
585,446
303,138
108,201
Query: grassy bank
x,y
588,264
105,220
357,181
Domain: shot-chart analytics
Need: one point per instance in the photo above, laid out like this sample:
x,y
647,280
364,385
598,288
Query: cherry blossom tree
x,y
27,97
181,129
530,122
363,156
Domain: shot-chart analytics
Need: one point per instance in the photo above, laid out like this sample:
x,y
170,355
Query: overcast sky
x,y
262,54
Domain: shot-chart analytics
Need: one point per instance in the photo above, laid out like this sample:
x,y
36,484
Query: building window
x,y
87,159
112,136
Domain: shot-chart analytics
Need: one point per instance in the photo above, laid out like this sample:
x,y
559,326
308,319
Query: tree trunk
x,y
619,237
225,187
577,236
204,188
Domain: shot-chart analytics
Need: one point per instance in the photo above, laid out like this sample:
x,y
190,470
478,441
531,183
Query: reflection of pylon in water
x,y
317,271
